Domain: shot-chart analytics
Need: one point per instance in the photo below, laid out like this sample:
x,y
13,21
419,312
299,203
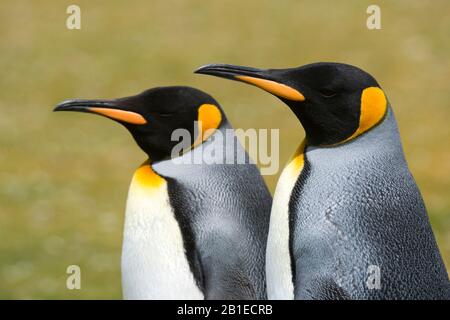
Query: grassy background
x,y
64,177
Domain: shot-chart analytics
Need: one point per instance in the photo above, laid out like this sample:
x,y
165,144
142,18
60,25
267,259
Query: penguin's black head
x,y
153,115
334,102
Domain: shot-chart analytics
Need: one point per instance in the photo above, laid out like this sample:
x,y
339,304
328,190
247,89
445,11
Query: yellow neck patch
x,y
209,119
145,177
297,161
373,109
278,89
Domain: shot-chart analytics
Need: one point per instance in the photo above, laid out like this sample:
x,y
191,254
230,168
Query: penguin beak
x,y
108,108
263,79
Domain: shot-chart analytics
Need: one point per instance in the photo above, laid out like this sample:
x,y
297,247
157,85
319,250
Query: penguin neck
x,y
217,149
211,137
383,138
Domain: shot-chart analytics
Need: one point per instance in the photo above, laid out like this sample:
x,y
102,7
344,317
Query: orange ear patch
x,y
121,115
209,118
373,109
278,89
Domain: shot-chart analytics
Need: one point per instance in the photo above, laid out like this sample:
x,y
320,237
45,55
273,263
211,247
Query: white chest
x,y
278,260
154,264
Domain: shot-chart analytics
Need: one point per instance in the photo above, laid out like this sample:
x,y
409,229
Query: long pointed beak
x,y
260,78
107,108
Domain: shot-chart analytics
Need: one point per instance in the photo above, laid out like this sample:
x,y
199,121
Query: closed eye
x,y
165,114
327,93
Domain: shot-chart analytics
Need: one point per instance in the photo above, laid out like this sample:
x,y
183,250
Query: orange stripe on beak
x,y
278,89
121,115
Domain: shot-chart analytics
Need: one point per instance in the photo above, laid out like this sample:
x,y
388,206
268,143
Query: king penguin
x,y
193,230
348,220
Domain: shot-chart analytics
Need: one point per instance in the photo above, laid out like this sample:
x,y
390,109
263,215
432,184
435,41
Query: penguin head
x,y
153,115
334,102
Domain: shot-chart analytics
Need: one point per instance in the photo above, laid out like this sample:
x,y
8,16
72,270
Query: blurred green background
x,y
64,177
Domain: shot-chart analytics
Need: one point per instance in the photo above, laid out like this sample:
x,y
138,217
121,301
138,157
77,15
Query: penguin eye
x,y
165,114
327,93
